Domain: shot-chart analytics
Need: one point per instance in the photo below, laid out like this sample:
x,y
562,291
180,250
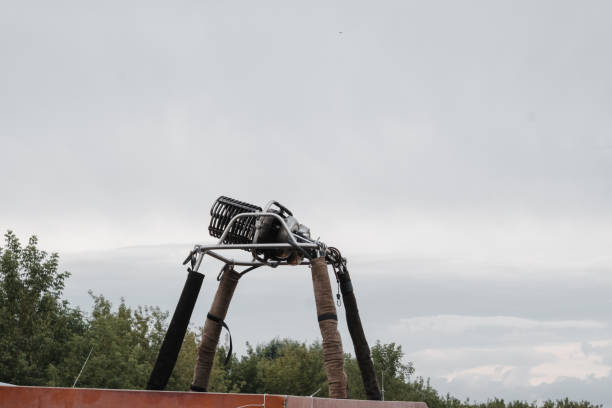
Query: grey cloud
x,y
386,294
409,289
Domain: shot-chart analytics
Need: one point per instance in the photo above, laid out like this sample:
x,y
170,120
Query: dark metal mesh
x,y
222,211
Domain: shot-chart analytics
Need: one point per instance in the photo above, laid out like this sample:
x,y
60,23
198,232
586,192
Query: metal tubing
x,y
206,248
171,346
333,355
212,328
232,261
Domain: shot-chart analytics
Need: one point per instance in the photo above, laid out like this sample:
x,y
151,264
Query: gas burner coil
x,y
242,230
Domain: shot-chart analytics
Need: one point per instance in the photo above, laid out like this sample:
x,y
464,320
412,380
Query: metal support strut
x,y
212,328
353,321
333,356
166,359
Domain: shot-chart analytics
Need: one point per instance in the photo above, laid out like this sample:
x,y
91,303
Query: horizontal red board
x,y
38,397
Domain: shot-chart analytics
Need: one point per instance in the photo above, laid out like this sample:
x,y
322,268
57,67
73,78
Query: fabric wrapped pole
x,y
212,329
333,356
362,349
168,353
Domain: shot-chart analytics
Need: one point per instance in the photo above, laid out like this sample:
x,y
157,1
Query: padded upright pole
x,y
333,355
166,359
212,329
362,349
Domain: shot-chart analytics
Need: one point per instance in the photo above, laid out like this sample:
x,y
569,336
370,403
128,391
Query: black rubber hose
x,y
362,349
169,351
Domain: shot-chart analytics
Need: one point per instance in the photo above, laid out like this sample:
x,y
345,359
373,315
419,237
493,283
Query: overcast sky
x,y
459,154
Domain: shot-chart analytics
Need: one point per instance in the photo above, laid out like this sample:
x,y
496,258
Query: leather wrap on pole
x,y
333,356
212,329
360,344
171,346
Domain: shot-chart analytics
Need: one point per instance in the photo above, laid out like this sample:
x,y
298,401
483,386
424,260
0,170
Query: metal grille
x,y
222,211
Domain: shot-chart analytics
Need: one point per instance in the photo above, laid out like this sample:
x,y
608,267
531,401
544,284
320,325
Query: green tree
x,y
278,367
36,324
124,345
391,370
296,369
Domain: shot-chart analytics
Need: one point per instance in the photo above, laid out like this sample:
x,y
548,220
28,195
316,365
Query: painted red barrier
x,y
44,397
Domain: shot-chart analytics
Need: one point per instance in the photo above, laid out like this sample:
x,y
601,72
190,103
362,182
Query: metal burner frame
x,y
196,256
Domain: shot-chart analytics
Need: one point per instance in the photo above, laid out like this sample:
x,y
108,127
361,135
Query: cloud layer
x,y
516,347
458,324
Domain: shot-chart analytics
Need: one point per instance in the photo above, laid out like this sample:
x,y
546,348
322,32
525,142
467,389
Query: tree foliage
x,y
36,324
45,341
278,367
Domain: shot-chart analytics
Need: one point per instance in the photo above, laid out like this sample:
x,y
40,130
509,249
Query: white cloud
x,y
506,352
488,372
513,366
568,360
456,324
